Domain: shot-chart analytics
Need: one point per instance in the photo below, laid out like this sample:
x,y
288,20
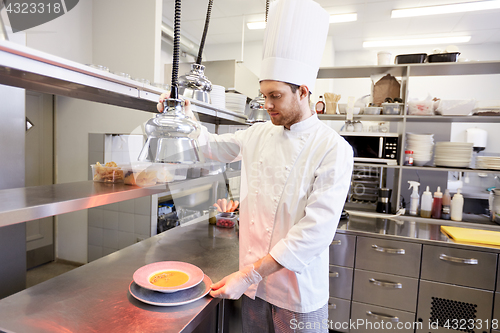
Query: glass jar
x,y
408,157
212,213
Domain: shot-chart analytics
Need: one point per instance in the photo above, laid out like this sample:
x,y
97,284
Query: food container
x,y
226,220
443,57
107,174
415,58
372,110
392,108
342,108
148,174
212,168
194,171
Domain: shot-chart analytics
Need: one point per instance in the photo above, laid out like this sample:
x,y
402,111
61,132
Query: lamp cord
x,y
174,92
205,31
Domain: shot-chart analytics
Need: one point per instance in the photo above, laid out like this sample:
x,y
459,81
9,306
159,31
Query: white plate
x,y
143,274
171,299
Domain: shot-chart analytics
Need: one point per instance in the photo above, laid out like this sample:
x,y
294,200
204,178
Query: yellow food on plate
x,y
169,279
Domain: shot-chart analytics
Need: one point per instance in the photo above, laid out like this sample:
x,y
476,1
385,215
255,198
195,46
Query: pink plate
x,y
143,274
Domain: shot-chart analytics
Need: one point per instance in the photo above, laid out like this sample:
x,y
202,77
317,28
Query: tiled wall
x,y
115,226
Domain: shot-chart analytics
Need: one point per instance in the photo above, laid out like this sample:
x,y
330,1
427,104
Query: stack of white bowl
x,y
453,154
488,162
236,102
218,96
422,146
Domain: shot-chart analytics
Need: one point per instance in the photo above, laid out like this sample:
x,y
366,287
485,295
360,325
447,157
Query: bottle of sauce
x,y
320,106
457,206
437,204
425,208
446,211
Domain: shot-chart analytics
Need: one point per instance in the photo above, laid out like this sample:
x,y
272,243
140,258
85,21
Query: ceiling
x,y
374,22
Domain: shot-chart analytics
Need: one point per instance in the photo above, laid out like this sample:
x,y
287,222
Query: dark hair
x,y
295,87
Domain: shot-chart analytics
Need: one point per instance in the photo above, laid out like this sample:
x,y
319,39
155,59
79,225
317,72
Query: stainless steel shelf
x,y
360,71
427,69
447,169
29,203
361,117
27,68
455,119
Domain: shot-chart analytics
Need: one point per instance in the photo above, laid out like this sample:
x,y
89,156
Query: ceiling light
x,y
420,41
446,9
338,18
256,25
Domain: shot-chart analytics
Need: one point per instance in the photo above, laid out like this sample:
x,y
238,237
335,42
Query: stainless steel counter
x,y
95,297
412,229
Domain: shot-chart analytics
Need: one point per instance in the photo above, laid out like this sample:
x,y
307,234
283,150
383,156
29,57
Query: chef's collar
x,y
304,125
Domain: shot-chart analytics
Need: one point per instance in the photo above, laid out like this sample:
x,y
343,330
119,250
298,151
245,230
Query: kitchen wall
x,y
98,32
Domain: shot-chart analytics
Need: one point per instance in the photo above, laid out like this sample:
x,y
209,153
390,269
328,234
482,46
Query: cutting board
x,y
472,236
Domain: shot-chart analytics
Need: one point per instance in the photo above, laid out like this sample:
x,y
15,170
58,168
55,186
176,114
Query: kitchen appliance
x,y
257,111
195,85
365,184
373,147
172,136
384,200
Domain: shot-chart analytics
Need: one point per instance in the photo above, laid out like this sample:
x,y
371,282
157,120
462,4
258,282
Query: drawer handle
x,y
386,284
332,306
382,316
388,249
444,257
336,242
334,274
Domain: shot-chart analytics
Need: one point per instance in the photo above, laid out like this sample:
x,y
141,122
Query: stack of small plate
x,y
453,154
421,145
193,284
236,102
218,96
488,162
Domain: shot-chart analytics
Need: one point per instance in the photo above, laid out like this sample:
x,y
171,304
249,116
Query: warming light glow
x,y
446,9
420,41
339,18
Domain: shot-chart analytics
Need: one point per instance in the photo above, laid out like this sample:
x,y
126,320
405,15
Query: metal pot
x,y
495,212
257,110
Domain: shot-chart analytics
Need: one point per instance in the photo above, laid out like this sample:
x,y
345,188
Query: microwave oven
x,y
374,147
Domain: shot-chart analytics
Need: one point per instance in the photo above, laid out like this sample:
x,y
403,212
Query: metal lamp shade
x,y
172,137
195,85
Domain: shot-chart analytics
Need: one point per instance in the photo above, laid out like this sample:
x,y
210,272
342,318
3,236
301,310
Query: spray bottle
x,y
414,198
426,207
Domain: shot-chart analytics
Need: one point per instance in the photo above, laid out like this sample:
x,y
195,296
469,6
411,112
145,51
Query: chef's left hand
x,y
234,285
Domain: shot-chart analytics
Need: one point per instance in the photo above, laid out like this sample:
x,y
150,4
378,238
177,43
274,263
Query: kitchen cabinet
x,y
342,250
461,267
403,121
372,318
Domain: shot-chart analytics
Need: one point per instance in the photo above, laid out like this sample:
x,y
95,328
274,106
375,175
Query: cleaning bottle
x,y
437,204
425,208
414,198
446,211
457,206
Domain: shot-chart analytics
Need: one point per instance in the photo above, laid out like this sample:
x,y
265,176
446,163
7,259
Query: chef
x,y
295,177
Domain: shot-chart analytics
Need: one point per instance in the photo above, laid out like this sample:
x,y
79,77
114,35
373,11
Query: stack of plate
x,y
218,96
236,102
453,154
488,162
421,145
183,283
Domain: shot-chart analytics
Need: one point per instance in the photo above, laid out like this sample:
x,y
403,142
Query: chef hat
x,y
294,41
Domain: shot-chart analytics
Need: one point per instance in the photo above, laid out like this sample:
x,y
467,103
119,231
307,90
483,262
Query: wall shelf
x,y
27,68
28,203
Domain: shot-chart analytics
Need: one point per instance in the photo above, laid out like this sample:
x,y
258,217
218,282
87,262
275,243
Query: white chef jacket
x,y
293,188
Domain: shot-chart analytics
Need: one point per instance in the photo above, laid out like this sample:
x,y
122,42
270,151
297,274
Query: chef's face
x,y
282,104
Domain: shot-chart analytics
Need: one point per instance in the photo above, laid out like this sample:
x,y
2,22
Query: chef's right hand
x,y
234,285
187,106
